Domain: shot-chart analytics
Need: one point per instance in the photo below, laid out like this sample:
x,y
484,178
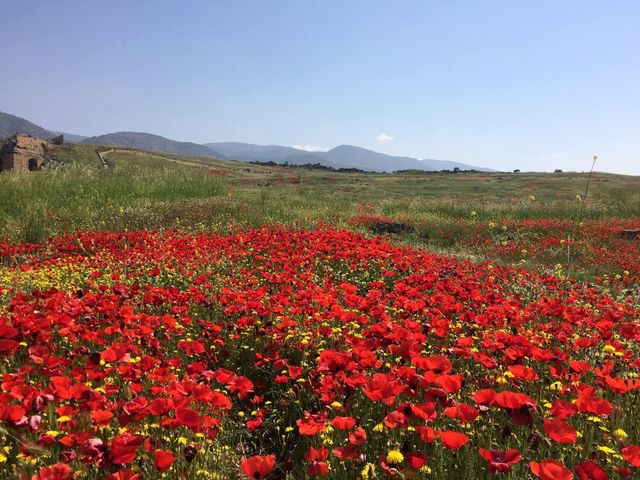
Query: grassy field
x,y
449,213
143,189
190,318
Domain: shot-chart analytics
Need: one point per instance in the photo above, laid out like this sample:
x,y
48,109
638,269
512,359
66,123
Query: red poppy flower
x,y
590,471
427,434
416,460
484,397
317,465
623,472
163,459
632,455
395,420
523,373
123,448
101,417
254,423
383,388
13,413
550,470
595,405
435,363
350,452
125,474
464,413
579,367
309,426
500,461
513,400
560,431
59,471
188,417
358,436
343,423
453,440
450,383
258,467
561,409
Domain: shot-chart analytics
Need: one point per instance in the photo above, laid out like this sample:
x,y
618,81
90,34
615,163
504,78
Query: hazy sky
x,y
531,85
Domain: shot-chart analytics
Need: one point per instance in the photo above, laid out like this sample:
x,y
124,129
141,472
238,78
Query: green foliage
x,y
150,190
72,196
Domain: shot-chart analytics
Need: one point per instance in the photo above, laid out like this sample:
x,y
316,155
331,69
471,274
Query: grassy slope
x,y
145,189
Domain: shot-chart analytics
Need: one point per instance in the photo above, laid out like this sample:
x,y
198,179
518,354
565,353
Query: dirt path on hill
x,y
189,163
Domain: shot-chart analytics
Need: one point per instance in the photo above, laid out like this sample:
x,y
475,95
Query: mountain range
x,y
10,124
343,156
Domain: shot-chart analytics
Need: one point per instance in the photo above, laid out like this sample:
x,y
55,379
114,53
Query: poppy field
x,y
285,352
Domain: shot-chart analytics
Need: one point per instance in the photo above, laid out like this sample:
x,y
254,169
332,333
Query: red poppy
x,y
59,471
484,397
258,467
102,417
513,400
343,423
124,474
358,436
561,409
560,431
123,448
383,388
450,383
579,367
595,405
254,423
550,470
309,426
632,455
163,459
427,434
395,420
435,363
416,460
13,413
590,471
462,412
500,461
623,472
188,417
348,452
453,440
317,465
523,373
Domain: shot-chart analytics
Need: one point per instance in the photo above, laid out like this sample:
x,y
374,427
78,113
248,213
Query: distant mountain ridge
x,y
11,124
148,141
343,156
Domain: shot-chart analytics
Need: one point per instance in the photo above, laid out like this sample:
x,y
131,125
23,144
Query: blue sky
x,y
529,85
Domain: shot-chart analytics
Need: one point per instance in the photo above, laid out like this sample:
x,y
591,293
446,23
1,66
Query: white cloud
x,y
308,148
384,137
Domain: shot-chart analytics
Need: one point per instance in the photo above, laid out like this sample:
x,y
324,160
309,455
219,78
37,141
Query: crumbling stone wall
x,y
23,153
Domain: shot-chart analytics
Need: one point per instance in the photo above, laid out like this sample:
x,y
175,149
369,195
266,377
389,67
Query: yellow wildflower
x,y
394,457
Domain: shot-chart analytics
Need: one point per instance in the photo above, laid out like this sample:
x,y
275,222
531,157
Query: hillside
x,y
343,156
11,124
248,152
148,141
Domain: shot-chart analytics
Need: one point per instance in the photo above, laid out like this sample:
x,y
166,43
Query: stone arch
x,y
33,165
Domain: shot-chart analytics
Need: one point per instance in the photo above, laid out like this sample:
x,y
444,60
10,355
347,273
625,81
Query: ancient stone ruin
x,y
25,153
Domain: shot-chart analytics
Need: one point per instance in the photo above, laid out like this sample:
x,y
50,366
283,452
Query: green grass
x,y
146,189
78,195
